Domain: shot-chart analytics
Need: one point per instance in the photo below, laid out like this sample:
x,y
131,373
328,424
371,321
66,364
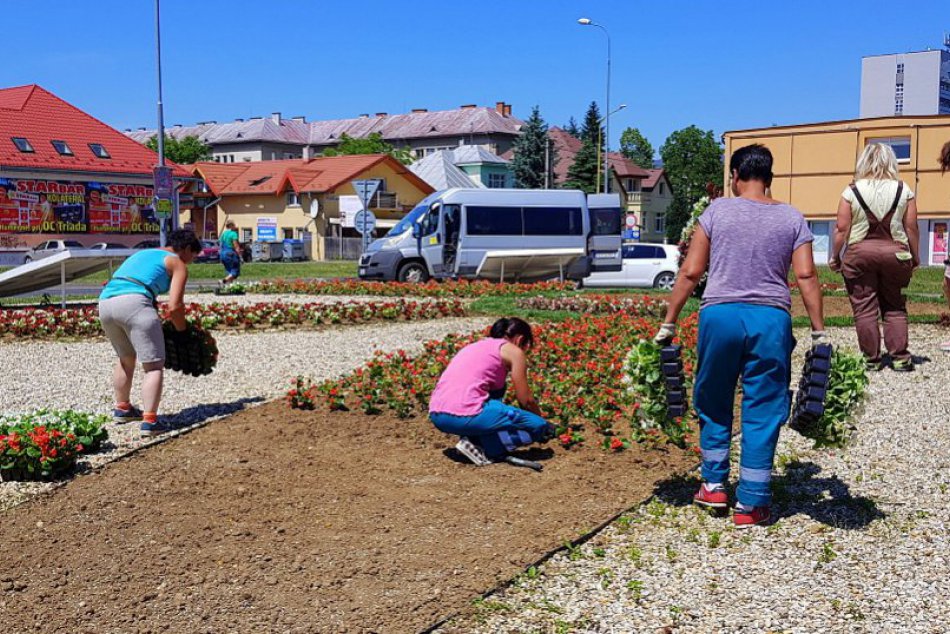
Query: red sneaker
x,y
715,499
747,518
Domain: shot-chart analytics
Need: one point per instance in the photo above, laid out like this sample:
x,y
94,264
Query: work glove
x,y
665,334
550,431
819,337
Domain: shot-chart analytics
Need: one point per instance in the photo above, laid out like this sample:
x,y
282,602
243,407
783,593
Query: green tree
x,y
583,171
692,159
371,144
189,149
529,163
637,148
571,128
592,130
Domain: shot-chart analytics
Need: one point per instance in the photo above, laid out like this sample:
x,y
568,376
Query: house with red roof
x,y
645,193
302,198
65,174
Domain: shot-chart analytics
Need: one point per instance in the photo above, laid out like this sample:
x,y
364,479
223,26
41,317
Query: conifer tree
x,y
529,163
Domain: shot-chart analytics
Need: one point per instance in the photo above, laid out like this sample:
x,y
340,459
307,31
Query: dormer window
x,y
62,147
99,150
259,181
22,144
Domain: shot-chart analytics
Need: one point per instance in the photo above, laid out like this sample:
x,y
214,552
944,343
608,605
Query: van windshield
x,y
407,221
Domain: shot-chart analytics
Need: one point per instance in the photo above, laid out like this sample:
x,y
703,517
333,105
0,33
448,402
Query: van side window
x,y
553,221
493,221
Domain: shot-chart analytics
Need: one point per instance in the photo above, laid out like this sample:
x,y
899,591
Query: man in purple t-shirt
x,y
745,329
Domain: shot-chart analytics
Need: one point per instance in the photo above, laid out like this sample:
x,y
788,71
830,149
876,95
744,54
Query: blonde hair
x,y
877,161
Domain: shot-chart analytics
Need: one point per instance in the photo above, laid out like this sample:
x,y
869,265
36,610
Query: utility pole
x,y
547,162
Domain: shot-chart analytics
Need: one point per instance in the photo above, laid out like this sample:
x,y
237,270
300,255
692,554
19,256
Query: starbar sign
x,y
42,206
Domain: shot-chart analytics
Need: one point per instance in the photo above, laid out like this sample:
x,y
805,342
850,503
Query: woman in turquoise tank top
x,y
129,316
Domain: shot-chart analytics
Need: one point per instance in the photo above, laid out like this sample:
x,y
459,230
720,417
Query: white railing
x,y
638,198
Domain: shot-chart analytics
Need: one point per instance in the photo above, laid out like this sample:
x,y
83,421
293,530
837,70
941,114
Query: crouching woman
x,y
467,398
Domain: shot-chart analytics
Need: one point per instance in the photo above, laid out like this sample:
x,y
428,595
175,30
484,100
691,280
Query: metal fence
x,y
342,248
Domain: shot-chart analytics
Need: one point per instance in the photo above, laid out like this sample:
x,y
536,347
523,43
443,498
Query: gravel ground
x,y
861,544
253,368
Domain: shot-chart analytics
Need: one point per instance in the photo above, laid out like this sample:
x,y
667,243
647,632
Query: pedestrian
x,y
944,161
745,328
877,218
467,400
230,252
129,315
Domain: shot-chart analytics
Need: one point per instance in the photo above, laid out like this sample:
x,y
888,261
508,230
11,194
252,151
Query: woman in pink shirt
x,y
467,399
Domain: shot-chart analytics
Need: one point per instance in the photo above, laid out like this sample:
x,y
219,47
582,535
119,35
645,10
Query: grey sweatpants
x,y
133,327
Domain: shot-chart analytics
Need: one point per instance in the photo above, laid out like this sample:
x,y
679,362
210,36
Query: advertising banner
x,y
44,206
938,243
267,229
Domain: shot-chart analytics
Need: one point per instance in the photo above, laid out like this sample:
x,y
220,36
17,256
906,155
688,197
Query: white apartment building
x,y
910,84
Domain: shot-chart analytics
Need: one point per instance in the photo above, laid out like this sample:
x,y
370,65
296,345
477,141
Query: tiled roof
x,y
624,167
568,146
299,175
439,170
41,117
654,178
397,127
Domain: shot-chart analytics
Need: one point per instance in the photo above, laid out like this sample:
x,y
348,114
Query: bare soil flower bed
x,y
278,520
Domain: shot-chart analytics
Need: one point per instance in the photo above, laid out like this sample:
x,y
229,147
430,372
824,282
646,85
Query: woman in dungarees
x,y
877,215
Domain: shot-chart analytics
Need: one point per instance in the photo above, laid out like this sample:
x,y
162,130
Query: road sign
x,y
349,206
365,222
631,221
163,207
163,182
366,189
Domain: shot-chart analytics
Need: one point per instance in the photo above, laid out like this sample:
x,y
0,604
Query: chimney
x,y
127,130
364,116
275,117
239,120
469,106
507,109
500,107
177,125
141,129
419,110
381,114
300,119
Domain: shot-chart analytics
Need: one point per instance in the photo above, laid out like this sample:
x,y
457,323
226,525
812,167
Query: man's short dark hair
x,y
753,163
181,239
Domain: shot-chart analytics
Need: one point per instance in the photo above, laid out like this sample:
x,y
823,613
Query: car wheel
x,y
413,273
664,281
27,260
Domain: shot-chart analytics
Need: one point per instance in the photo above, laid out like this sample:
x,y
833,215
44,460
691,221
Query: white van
x,y
496,234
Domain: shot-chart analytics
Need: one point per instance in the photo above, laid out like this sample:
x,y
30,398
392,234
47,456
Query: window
x,y
430,222
633,185
661,189
288,233
62,147
900,145
659,223
606,222
494,221
258,181
292,200
99,150
247,235
22,144
72,244
643,252
553,221
497,181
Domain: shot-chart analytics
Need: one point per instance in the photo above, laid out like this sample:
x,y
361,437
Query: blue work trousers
x,y
498,428
755,343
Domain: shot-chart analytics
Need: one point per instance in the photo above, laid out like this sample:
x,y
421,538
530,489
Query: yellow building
x,y
815,162
301,198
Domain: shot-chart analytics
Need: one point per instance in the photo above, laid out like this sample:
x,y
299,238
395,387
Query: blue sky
x,y
675,62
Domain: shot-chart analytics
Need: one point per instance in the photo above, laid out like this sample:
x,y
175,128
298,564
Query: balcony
x,y
638,198
384,200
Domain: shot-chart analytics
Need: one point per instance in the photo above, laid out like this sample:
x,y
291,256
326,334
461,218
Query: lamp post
x,y
604,118
162,235
589,22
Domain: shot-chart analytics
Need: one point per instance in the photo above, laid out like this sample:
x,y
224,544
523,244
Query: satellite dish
x,y
314,208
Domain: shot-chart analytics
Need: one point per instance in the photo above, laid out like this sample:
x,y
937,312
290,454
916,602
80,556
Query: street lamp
x,y
589,22
604,118
162,231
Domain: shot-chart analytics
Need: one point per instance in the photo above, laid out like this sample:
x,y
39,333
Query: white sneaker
x,y
472,451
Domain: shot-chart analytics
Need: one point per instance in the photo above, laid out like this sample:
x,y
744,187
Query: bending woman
x,y
467,399
129,316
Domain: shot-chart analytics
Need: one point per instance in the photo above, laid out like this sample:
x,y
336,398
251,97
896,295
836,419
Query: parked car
x,y
50,247
644,266
210,251
148,244
106,246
